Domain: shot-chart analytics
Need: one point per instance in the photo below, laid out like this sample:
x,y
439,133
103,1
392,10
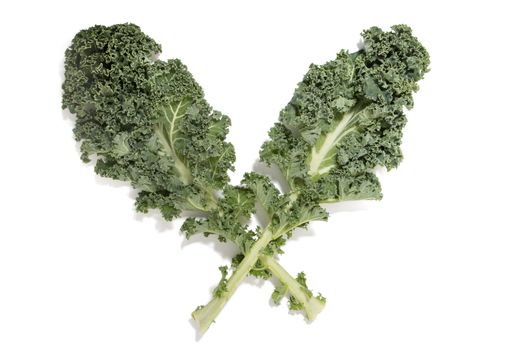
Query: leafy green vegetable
x,y
146,121
346,117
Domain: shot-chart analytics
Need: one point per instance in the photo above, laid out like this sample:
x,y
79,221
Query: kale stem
x,y
312,305
205,315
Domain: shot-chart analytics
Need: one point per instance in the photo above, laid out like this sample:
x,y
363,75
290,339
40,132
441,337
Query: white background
x,y
438,264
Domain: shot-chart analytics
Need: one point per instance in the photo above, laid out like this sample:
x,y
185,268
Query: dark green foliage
x,y
346,117
145,120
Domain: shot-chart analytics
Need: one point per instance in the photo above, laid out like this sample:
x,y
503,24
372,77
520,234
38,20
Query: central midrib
x,y
169,144
318,155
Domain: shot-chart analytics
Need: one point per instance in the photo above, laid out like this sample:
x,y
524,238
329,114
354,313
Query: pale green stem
x,y
205,315
312,305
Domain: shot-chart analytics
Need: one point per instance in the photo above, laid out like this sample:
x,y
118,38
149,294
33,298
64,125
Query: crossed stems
x,y
205,315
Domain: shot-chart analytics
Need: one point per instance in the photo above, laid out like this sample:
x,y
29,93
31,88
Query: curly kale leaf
x,y
144,120
346,117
